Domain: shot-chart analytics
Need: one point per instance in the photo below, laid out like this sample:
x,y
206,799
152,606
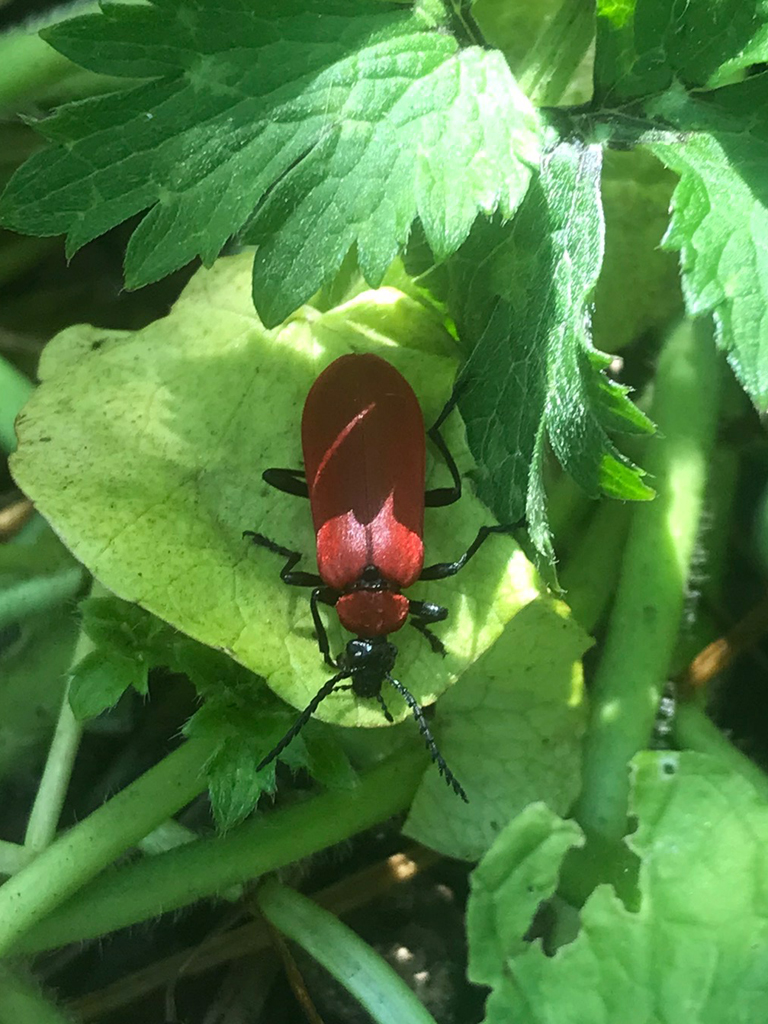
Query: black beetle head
x,y
368,662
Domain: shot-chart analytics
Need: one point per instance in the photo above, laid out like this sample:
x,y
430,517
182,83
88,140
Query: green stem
x,y
693,730
22,598
167,881
80,854
51,793
557,53
22,1002
654,573
590,573
46,810
568,508
13,857
15,390
353,963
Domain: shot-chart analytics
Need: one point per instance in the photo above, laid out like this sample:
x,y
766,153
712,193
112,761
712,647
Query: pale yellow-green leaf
x,y
145,451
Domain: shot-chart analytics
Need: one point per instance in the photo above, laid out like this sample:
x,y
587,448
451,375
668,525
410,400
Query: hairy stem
x,y
25,597
22,1002
654,573
149,887
591,570
52,791
693,730
80,854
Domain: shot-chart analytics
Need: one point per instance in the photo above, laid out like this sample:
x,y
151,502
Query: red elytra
x,y
365,460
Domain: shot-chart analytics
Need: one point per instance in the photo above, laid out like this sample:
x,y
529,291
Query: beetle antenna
x,y
303,718
384,708
429,739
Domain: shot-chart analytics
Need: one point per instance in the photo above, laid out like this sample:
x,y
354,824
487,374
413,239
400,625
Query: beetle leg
x,y
441,570
443,495
290,481
437,757
287,575
302,579
302,720
424,613
328,596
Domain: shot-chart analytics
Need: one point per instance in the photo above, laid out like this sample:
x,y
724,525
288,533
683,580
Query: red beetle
x,y
364,449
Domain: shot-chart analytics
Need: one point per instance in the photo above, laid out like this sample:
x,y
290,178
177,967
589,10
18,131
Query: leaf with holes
x,y
694,950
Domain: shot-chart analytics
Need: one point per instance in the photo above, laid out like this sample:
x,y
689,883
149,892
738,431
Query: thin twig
x,y
718,655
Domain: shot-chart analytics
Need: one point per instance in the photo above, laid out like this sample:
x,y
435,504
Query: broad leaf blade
x,y
338,123
511,732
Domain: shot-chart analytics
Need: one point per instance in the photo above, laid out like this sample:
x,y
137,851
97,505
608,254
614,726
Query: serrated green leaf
x,y
511,732
126,629
695,950
245,722
234,787
644,46
522,292
720,217
152,472
337,122
100,679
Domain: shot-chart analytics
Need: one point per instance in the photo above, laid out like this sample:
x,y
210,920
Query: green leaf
x,y
695,950
245,722
126,629
511,732
128,643
100,679
517,874
644,46
152,470
326,759
522,293
337,121
720,217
